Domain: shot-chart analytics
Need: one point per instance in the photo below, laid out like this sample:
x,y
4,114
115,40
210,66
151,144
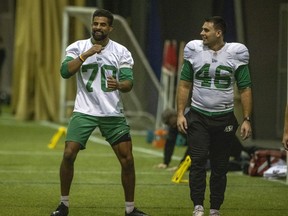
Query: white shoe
x,y
161,166
198,210
214,212
172,168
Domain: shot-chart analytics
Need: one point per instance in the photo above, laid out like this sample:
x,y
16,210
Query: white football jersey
x,y
93,97
214,74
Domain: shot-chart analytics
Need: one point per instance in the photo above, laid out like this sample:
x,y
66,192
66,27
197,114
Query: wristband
x,y
81,58
247,119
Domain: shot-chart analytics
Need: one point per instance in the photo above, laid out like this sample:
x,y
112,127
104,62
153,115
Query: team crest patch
x,y
228,128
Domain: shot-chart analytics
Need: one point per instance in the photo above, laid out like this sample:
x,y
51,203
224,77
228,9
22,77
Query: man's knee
x,y
70,152
125,138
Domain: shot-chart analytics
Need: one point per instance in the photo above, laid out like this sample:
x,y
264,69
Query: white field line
x,y
103,142
81,172
150,153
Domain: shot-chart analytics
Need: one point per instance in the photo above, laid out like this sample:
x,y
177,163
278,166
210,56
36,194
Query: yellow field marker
x,y
178,175
61,131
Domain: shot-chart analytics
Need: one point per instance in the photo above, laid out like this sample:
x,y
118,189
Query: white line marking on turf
x,y
52,153
103,142
83,172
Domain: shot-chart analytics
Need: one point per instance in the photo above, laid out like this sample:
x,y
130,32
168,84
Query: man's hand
x,y
96,48
112,83
182,124
246,130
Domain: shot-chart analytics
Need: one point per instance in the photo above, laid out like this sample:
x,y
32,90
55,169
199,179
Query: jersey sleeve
x,y
243,78
64,68
73,50
186,71
126,60
240,56
126,74
191,49
239,53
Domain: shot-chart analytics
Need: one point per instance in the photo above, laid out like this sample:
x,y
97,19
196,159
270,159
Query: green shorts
x,y
81,126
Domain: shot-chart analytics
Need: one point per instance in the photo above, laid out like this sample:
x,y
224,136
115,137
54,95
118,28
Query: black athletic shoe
x,y
136,212
61,210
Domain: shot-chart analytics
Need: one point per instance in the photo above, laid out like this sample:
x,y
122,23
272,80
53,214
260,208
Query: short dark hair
x,y
104,13
219,23
167,114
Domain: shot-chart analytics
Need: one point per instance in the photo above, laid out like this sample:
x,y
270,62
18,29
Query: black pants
x,y
170,145
209,137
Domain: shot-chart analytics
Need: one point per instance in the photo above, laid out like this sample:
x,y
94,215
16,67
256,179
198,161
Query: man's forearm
x,y
125,86
70,66
182,96
246,100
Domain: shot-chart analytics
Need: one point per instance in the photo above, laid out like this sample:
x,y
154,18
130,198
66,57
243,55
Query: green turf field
x,y
29,182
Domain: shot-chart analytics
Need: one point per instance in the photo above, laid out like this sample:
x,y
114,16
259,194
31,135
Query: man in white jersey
x,y
211,68
103,69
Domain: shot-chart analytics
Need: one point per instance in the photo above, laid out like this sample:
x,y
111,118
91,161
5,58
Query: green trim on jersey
x,y
187,71
126,74
242,76
64,68
206,113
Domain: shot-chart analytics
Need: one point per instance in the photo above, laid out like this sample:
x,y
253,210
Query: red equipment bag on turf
x,y
262,160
